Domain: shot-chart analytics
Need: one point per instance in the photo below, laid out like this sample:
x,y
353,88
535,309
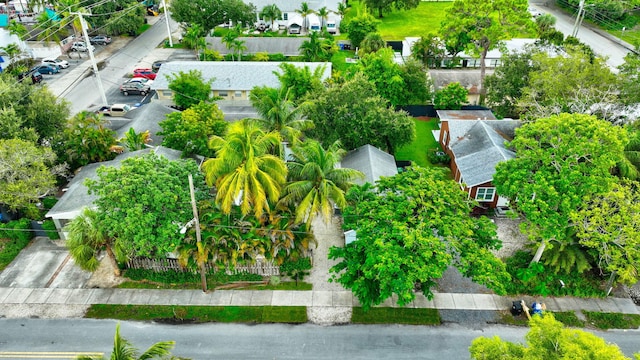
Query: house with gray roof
x,y
476,145
230,80
372,162
76,195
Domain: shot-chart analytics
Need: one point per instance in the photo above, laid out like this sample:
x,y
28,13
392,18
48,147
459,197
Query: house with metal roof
x,y
230,80
476,145
76,195
372,162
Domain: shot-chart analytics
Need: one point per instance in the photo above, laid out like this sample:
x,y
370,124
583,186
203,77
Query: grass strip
x,y
408,316
612,320
200,314
569,318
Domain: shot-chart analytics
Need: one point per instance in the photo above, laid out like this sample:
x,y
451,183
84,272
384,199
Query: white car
x,y
56,61
534,12
81,46
143,81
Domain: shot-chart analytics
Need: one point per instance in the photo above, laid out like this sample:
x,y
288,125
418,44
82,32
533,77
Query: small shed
x,y
372,162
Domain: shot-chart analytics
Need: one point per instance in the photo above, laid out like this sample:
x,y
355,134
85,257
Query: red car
x,y
144,73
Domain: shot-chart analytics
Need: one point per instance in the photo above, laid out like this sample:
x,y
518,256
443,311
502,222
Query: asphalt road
x,y
602,45
42,339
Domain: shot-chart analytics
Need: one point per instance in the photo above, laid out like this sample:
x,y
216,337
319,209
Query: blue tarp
x,y
4,20
52,14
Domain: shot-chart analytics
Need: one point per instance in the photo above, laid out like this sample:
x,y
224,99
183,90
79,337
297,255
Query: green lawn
x,y
417,150
201,314
385,315
339,61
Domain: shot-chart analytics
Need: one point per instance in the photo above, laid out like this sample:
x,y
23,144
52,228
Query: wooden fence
x,y
264,268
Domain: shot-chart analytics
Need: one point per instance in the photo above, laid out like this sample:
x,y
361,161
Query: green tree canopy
x,y
561,162
27,172
315,181
144,203
244,170
430,50
485,24
189,88
547,339
359,27
409,231
317,48
85,140
210,13
505,85
389,5
356,115
189,131
300,81
630,78
451,97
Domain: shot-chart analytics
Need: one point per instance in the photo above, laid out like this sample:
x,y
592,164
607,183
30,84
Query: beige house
x,y
230,80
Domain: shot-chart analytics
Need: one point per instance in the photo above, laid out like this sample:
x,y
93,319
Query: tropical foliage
x,y
189,88
124,350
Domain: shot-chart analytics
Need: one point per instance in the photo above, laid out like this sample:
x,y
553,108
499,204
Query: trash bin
x,y
516,308
341,46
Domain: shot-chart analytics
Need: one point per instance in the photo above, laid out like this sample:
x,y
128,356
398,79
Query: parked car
x,y
534,12
63,64
114,110
100,40
144,73
143,81
35,76
134,88
81,46
156,65
46,69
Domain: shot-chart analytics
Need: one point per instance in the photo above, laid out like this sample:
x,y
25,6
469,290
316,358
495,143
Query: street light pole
x,y
201,260
576,25
83,25
166,18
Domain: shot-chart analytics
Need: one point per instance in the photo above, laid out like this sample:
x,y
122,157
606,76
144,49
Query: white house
x,y
289,14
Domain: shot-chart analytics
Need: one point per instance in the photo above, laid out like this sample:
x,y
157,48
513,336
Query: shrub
x,y
50,229
436,156
13,240
49,201
261,56
296,269
277,57
182,277
211,55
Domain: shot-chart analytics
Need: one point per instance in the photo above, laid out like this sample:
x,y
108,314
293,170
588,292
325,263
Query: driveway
x,y
44,264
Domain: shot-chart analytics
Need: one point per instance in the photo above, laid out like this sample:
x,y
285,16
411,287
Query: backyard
x,y
417,150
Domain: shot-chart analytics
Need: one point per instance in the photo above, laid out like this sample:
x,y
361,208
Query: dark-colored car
x,y
144,73
100,40
156,65
35,76
46,69
134,88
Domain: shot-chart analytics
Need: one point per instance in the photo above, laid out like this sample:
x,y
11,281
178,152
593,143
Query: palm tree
x,y
323,13
86,239
14,53
304,11
243,170
315,184
238,47
317,48
17,29
278,113
342,9
133,141
230,38
372,43
124,350
46,32
271,13
194,38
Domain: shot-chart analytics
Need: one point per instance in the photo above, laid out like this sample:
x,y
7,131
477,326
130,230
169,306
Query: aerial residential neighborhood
x,y
319,179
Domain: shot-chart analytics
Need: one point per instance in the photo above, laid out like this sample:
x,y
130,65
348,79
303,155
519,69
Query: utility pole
x,y
578,23
203,274
93,59
166,19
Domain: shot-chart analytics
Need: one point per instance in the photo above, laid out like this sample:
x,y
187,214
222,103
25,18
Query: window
x,y
222,93
285,16
238,94
485,194
167,93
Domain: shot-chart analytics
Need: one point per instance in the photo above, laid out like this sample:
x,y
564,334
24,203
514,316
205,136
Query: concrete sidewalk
x,y
449,301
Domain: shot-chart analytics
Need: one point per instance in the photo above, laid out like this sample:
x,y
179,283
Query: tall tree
x,y
27,172
323,13
504,87
278,113
189,131
189,88
610,223
144,203
271,13
315,183
451,97
388,5
230,37
210,13
573,83
547,339
409,231
194,38
124,350
359,27
417,83
486,24
561,162
86,239
356,115
430,50
85,140
305,11
300,81
243,170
